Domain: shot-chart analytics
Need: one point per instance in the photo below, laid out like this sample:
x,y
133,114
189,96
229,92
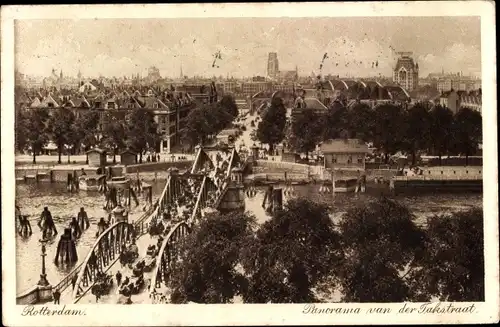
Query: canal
x,y
63,205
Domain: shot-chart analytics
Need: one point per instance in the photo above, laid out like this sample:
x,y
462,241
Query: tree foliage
x,y
142,131
20,130
453,264
209,272
204,122
380,240
114,135
87,124
362,120
292,252
61,128
441,130
271,130
418,130
229,105
336,122
467,132
388,129
197,128
84,131
306,131
34,128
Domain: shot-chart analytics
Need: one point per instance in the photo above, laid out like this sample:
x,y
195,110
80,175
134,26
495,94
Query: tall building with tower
x,y
273,65
406,71
153,74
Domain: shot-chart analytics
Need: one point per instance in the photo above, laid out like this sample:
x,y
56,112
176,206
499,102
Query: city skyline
x,y
125,47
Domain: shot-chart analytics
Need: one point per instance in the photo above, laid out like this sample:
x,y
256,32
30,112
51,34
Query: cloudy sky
x,y
112,47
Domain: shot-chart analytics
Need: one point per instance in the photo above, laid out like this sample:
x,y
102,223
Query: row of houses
x,y
455,100
170,108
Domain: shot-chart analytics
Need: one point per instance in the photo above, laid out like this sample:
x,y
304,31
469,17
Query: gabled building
x,y
87,87
451,100
346,154
406,71
36,103
49,102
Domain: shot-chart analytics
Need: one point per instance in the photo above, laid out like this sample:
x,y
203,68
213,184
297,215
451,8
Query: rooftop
x,y
344,146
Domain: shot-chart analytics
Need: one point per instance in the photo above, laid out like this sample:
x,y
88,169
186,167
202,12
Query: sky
x,y
123,47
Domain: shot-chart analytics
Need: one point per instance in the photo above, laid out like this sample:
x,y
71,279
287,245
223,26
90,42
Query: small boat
x,y
90,182
345,185
119,182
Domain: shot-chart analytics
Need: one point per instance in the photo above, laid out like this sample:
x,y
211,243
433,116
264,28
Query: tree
x,y
271,129
60,125
217,117
114,135
467,132
87,125
361,122
197,128
388,129
418,130
453,264
306,132
229,105
20,130
336,122
441,130
210,256
142,131
291,254
380,240
35,128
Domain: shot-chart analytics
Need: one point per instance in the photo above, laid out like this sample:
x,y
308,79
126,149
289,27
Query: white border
x,y
278,314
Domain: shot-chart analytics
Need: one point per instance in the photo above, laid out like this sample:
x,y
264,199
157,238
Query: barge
x,y
465,183
90,182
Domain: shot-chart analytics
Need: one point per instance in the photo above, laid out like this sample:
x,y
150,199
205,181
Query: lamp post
x,y
43,276
44,289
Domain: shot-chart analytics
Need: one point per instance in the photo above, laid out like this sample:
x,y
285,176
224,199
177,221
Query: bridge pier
x,y
66,248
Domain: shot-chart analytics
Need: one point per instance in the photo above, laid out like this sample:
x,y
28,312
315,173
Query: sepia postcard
x,y
249,164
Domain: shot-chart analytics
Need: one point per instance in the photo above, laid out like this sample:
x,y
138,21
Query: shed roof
x,y
128,151
344,146
101,151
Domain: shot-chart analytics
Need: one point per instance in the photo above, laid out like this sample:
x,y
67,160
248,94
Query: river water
x,y
64,205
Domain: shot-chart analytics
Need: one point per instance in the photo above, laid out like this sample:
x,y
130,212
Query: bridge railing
x,y
221,191
140,226
102,256
168,252
204,198
66,281
197,205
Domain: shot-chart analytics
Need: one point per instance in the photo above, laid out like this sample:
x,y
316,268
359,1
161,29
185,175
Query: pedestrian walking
x,y
57,296
73,281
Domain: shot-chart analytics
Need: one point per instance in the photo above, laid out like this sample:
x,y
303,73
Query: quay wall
x,y
60,174
53,174
435,185
35,295
158,166
275,171
279,171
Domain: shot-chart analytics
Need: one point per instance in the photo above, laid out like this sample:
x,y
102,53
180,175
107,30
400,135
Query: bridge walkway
x,y
113,297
